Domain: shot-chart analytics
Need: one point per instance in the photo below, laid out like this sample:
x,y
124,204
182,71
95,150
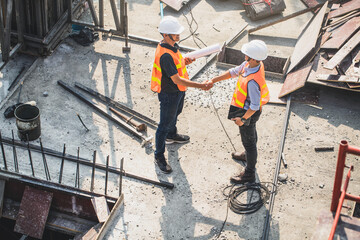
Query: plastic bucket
x,y
28,122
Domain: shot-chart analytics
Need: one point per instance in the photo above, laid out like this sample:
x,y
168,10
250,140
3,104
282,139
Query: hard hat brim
x,y
181,29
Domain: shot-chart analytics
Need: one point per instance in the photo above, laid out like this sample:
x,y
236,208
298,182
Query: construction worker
x,y
251,93
170,79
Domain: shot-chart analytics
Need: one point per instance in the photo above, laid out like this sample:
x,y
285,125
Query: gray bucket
x,y
28,122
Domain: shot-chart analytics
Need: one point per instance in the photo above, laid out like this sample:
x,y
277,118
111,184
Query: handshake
x,y
206,85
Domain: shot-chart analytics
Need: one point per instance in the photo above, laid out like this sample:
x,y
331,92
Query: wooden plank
x,y
343,52
345,8
307,39
337,78
342,34
110,219
101,208
33,212
295,80
2,189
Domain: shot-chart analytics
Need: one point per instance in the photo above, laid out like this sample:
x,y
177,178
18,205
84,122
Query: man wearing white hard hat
x,y
251,93
170,80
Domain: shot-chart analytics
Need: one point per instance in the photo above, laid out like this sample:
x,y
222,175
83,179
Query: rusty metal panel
x,y
345,8
295,80
340,35
33,212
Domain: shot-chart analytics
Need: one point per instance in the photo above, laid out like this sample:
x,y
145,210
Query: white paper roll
x,y
204,51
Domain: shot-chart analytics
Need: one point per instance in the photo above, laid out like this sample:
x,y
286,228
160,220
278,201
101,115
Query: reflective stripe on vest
x,y
240,92
156,71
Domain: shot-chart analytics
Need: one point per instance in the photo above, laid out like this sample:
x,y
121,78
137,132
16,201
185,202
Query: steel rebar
x,y
93,172
16,166
106,174
30,158
120,180
77,177
82,122
3,152
62,164
46,169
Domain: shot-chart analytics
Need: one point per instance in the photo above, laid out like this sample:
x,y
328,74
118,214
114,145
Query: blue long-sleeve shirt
x,y
253,97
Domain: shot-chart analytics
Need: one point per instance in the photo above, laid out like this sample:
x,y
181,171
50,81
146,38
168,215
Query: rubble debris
x,y
256,9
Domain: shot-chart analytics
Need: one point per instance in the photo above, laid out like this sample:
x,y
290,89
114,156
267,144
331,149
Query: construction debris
x,y
256,9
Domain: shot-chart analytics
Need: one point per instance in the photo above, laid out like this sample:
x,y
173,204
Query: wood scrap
x,y
337,78
345,8
343,52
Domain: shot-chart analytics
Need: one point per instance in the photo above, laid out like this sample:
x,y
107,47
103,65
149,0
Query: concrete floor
x,y
196,207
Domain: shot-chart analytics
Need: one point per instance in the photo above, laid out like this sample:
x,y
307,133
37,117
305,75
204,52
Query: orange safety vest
x,y
156,71
240,92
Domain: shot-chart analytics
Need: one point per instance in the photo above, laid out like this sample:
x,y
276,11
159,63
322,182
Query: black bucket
x,y
28,122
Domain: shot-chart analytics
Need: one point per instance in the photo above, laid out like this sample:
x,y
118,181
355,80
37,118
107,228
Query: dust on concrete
x,y
196,207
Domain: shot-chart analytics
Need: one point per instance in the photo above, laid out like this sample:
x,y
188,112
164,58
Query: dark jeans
x,y
249,140
171,105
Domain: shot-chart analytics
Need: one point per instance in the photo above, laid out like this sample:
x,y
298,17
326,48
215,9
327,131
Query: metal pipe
x,y
3,152
342,197
101,13
121,174
89,163
352,198
115,104
47,173
30,158
62,164
16,166
93,172
77,176
265,235
140,127
106,174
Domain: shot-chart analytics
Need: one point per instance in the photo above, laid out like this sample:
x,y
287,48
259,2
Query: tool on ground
x,y
126,49
117,105
140,127
145,139
82,122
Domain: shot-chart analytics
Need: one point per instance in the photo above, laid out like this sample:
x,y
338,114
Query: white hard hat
x,y
170,25
255,49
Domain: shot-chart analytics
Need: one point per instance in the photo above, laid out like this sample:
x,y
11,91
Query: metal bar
x,y
30,158
342,198
95,106
19,22
7,32
115,15
106,174
1,30
212,57
122,16
93,12
44,161
28,16
62,164
138,126
352,198
69,10
3,152
115,104
58,9
89,163
45,16
283,160
125,25
101,13
82,122
120,180
16,166
77,176
265,235
93,172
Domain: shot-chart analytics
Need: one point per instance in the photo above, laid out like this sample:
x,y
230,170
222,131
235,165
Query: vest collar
x,y
168,46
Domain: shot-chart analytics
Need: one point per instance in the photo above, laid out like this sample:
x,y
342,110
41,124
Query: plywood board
x,y
274,90
343,52
33,212
307,39
101,208
345,8
340,35
295,80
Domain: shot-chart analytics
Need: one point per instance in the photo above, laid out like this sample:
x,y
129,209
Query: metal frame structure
x,y
339,196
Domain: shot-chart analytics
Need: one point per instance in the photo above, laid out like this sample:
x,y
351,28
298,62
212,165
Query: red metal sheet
x,y
340,35
345,8
33,212
295,80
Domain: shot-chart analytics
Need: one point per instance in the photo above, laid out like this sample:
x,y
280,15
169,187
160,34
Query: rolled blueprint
x,y
204,51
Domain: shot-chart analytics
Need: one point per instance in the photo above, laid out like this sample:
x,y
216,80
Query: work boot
x,y
244,177
239,156
163,165
178,138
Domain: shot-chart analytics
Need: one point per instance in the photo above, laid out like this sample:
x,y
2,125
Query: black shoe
x,y
163,165
178,138
244,177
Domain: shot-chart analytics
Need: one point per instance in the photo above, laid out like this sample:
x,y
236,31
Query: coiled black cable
x,y
236,191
